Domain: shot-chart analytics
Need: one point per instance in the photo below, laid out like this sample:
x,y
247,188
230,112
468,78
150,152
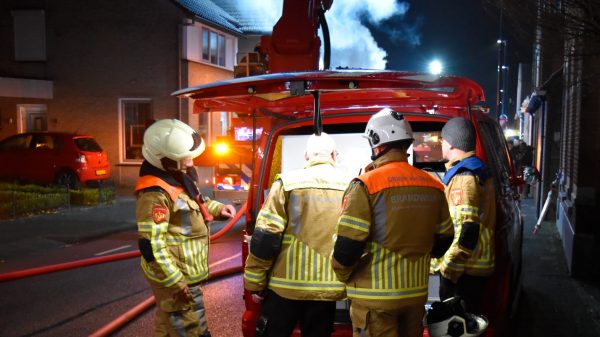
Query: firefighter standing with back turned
x,y
394,217
289,264
469,190
172,219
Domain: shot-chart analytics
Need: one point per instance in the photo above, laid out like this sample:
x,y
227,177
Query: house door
x,y
32,117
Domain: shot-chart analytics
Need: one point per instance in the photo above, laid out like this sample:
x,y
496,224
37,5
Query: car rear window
x,y
20,142
87,144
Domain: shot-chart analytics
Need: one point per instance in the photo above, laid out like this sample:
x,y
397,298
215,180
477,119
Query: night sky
x,y
459,33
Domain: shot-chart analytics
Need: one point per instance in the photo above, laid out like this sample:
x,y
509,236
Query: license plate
x,y
100,172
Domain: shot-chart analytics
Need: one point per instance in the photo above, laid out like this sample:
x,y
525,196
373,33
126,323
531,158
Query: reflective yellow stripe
x,y
278,282
354,223
167,282
195,259
145,226
385,294
304,265
272,218
340,186
445,226
213,206
159,249
253,277
390,270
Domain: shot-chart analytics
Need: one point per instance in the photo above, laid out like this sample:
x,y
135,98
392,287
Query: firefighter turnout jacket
x,y
290,249
386,231
471,198
173,235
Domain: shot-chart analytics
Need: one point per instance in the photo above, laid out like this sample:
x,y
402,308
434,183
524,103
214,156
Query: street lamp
x,y
435,67
502,78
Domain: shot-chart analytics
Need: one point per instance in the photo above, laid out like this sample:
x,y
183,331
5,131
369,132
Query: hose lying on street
x,y
15,275
134,312
19,274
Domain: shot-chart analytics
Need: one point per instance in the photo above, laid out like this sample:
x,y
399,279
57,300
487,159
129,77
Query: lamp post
x,y
501,79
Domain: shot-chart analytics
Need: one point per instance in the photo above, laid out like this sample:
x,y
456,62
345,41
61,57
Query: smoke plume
x,y
352,43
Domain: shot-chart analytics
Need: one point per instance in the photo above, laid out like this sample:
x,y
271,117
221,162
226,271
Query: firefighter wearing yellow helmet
x,y
394,218
289,264
173,230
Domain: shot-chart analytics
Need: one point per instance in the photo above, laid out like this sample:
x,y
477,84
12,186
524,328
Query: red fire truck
x,y
290,105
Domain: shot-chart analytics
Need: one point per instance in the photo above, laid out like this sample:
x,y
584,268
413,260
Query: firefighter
x,y
172,219
394,218
288,268
470,192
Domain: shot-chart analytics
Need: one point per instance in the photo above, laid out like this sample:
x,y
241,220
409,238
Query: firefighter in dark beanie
x,y
469,190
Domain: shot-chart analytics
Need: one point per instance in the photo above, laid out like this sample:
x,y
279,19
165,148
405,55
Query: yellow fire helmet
x,y
168,141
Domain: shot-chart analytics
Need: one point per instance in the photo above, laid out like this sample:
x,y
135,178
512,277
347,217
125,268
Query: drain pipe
x,y
134,312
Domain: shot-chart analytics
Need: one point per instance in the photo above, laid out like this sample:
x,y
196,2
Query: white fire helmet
x,y
322,145
171,139
448,319
387,126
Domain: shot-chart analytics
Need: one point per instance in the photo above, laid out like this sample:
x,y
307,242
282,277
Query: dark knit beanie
x,y
460,133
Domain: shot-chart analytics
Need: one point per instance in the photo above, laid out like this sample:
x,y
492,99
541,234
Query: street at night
x,y
240,168
81,301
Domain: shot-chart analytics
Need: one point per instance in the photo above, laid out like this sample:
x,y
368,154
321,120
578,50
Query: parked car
x,y
59,158
341,102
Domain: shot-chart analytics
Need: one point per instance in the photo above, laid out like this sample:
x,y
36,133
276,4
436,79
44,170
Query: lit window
x,y
136,115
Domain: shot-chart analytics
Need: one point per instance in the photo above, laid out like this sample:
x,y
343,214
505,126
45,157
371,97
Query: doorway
x,y
32,117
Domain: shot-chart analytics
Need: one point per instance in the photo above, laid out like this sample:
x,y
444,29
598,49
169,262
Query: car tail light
x,y
81,159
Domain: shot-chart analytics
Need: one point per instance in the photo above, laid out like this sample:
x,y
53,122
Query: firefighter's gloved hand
x,y
184,295
228,211
257,297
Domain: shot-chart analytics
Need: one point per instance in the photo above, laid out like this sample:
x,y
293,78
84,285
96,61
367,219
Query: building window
x,y
205,45
213,47
29,28
136,115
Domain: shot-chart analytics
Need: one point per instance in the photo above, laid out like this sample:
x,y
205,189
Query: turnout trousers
x,y
403,322
470,288
175,318
279,316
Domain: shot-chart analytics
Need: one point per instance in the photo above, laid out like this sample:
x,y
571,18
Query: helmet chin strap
x,y
376,156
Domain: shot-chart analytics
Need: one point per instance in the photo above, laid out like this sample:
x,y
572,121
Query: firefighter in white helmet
x,y
289,264
393,219
173,233
449,319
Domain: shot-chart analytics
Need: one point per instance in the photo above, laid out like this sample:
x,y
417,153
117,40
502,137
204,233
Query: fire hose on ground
x,y
134,312
19,274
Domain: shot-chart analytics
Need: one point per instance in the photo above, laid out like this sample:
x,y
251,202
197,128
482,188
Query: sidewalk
x,y
553,303
28,235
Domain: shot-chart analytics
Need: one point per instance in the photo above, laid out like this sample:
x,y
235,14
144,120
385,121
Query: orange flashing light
x,y
221,149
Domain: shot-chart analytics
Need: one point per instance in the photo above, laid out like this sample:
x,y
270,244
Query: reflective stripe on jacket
x,y
396,210
470,200
177,233
302,209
